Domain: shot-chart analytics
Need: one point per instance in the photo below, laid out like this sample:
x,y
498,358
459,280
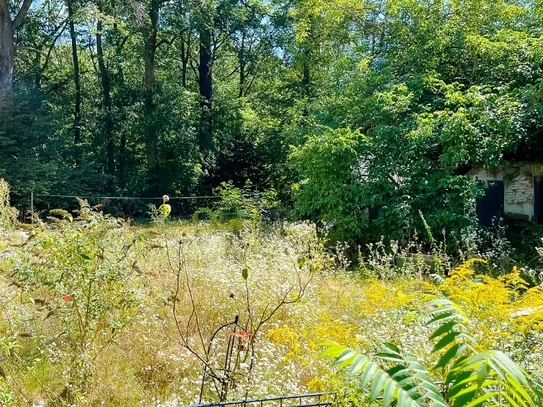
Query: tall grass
x,y
95,312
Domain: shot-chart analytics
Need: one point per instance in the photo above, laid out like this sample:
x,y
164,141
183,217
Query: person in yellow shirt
x,y
165,209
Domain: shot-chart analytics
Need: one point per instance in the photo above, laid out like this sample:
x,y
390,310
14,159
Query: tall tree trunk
x,y
306,73
106,100
242,66
118,42
151,144
7,56
122,159
206,89
185,58
77,74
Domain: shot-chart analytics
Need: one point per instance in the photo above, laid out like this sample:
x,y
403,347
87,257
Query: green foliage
x,y
434,87
241,203
330,185
476,127
231,201
471,377
437,89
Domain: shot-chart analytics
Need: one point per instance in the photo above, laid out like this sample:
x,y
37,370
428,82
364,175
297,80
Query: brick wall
x,y
519,191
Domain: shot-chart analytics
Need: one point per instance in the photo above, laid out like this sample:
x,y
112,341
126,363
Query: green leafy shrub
x,y
330,182
467,375
237,204
84,273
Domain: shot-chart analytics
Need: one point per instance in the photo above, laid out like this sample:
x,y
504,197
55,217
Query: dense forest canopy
x,y
365,112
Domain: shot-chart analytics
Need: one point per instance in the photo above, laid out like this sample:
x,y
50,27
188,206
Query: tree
x,y
8,26
71,4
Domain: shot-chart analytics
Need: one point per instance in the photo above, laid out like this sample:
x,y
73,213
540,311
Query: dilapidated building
x,y
514,190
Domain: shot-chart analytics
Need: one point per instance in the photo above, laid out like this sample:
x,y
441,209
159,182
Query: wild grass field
x,y
94,312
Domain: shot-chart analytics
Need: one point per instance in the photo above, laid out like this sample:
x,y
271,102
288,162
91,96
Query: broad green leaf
x,y
444,316
454,379
445,305
399,373
482,373
503,364
391,357
345,357
367,375
466,396
417,367
392,348
358,364
481,400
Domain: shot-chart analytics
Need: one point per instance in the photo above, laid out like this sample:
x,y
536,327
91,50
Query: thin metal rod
x,y
32,206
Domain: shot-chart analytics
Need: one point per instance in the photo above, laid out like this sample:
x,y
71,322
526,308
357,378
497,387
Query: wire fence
x,y
183,207
297,400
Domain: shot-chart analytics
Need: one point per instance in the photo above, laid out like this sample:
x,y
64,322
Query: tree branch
x,y
32,49
21,14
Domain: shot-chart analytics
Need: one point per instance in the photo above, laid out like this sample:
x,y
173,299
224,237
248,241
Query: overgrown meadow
x,y
97,312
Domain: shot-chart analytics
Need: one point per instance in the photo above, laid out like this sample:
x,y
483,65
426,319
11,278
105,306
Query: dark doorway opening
x,y
490,206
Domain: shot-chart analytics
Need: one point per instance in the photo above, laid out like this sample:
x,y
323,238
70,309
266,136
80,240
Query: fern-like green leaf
x,y
451,354
389,393
367,374
390,357
473,378
442,317
482,373
392,348
446,341
405,384
444,309
400,374
358,364
465,396
444,328
378,382
481,401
